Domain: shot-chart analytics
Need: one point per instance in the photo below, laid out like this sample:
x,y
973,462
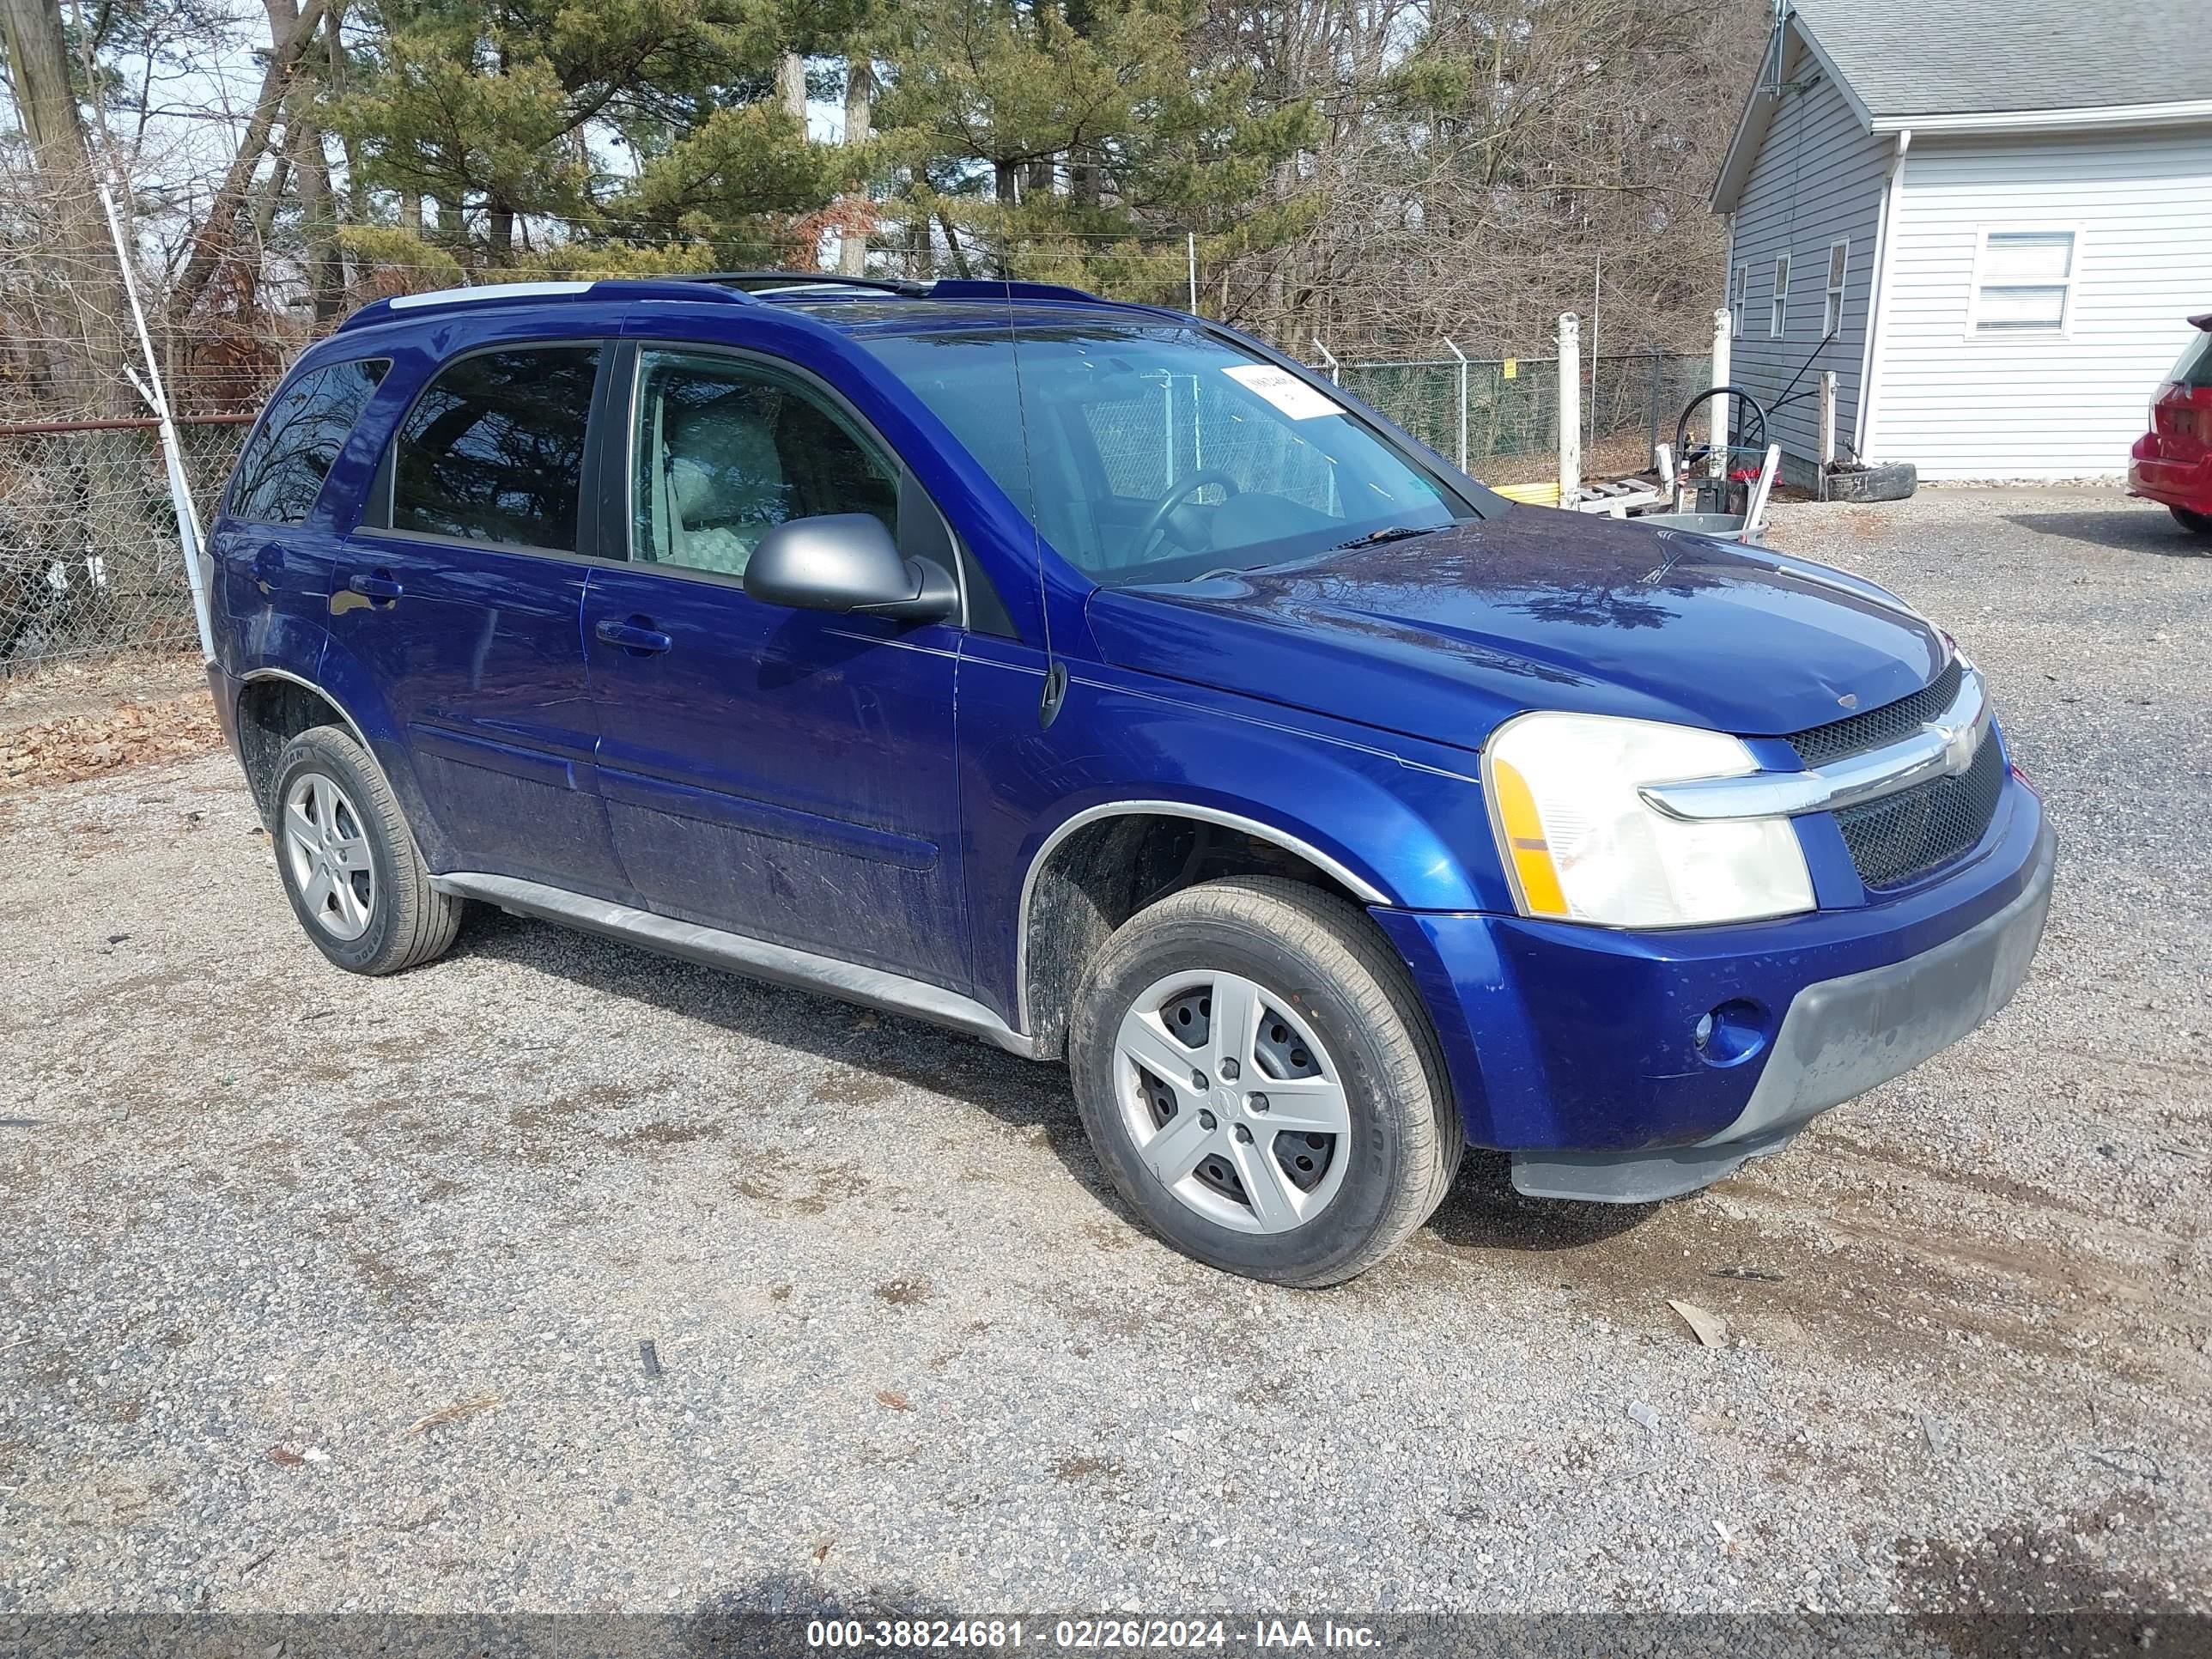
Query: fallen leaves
x,y
133,733
1709,1328
896,1401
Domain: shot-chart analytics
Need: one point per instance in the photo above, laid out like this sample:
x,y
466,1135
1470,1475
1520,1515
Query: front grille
x,y
1908,834
1878,726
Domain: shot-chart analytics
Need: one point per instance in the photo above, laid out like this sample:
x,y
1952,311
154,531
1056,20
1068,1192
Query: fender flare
x,y
1358,885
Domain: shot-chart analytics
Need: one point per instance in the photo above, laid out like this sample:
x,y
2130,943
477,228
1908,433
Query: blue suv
x,y
1094,679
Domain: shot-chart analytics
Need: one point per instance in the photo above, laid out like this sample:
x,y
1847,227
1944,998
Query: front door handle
x,y
635,635
375,584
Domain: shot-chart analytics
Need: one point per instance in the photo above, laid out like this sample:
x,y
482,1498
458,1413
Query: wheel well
x,y
1105,873
271,713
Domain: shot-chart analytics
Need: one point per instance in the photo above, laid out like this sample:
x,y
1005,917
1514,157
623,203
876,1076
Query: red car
x,y
2172,461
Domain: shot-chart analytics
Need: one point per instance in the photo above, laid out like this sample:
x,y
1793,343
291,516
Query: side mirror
x,y
847,562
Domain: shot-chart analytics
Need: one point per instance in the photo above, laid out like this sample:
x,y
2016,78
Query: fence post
x,y
1717,467
173,455
1827,429
1328,361
1453,348
1190,241
1652,425
1571,413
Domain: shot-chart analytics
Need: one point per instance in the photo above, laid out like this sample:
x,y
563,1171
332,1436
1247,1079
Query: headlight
x,y
1581,844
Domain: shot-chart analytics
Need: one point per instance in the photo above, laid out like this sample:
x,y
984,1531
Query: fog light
x,y
1730,1033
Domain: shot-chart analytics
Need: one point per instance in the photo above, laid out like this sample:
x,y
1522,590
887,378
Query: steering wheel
x,y
1750,419
1177,494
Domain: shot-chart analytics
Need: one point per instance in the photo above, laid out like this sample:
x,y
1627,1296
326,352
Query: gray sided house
x,y
1991,218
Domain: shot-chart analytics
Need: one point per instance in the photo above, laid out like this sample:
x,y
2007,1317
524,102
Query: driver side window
x,y
727,449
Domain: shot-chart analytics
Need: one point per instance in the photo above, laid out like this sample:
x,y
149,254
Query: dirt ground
x,y
324,1294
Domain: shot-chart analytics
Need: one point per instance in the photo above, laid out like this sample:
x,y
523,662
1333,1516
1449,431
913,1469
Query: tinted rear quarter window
x,y
493,450
282,469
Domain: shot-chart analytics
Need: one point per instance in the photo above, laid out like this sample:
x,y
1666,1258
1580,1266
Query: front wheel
x,y
2198,524
1258,1079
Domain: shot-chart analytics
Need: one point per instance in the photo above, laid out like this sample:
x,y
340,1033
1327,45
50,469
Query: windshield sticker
x,y
1284,389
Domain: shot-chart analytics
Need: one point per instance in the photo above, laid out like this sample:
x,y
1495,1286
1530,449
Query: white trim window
x,y
1778,310
2024,281
1839,264
1739,294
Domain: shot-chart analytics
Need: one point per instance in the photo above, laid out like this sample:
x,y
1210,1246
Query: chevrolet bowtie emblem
x,y
1959,742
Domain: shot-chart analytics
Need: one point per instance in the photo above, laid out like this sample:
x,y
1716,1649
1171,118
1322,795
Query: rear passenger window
x,y
282,468
494,451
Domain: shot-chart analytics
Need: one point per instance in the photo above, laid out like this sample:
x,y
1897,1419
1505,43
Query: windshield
x,y
1157,452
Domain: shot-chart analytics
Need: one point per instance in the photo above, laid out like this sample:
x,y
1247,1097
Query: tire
x,y
1895,481
2197,523
1334,1028
334,816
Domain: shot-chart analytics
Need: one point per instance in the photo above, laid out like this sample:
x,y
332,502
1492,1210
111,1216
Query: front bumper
x,y
1574,1047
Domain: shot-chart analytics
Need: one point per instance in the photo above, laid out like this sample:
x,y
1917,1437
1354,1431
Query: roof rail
x,y
740,287
771,281
481,293
993,288
944,287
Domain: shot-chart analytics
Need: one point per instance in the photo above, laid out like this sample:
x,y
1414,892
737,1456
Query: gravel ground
x,y
324,1294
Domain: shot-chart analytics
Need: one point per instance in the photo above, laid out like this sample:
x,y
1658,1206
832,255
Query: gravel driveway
x,y
319,1293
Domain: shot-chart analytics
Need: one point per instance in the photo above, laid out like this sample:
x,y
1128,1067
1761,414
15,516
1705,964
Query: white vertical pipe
x,y
1453,348
1190,240
1827,429
1571,413
157,397
1718,408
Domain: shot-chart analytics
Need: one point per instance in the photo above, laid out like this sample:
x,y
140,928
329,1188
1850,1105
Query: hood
x,y
1444,636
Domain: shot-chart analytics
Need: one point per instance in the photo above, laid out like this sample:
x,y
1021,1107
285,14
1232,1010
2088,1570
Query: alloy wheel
x,y
329,854
1232,1101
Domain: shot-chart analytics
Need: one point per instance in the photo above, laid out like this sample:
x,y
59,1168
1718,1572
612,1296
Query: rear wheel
x,y
1259,1081
348,864
2198,524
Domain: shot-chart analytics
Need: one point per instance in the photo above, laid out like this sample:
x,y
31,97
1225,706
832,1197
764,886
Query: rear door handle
x,y
636,636
375,584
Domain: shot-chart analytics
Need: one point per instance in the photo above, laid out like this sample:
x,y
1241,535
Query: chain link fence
x,y
90,560
1510,427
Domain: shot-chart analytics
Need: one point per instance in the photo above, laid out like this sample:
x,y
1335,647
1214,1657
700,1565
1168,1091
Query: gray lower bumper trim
x,y
1642,1177
1840,1038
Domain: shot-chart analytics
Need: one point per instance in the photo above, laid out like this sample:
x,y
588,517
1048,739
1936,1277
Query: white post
x,y
1827,429
1756,509
1718,408
1571,411
1453,348
157,398
1190,239
1329,360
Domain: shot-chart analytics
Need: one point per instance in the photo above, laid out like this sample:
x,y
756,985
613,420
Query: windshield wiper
x,y
1396,532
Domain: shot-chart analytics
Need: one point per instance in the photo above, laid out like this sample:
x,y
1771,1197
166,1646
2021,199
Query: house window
x,y
2023,282
1739,292
1779,314
1831,314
